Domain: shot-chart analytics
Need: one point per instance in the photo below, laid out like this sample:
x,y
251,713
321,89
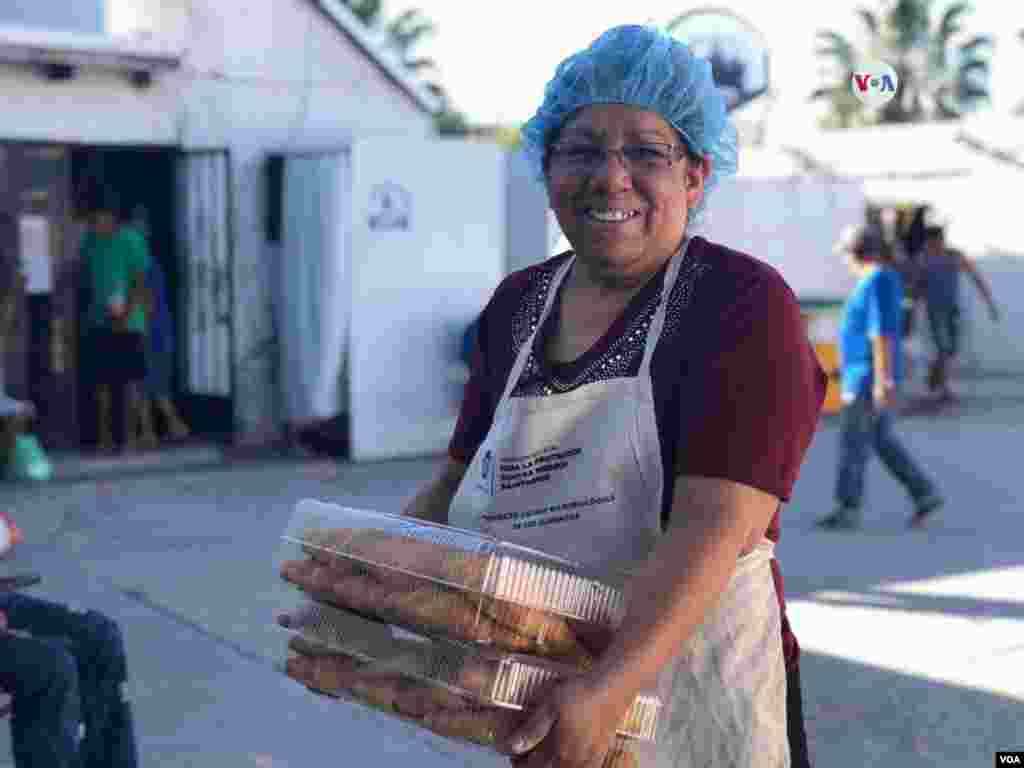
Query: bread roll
x,y
487,727
394,554
620,757
417,699
394,595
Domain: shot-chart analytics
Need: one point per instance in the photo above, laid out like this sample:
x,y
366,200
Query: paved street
x,y
913,642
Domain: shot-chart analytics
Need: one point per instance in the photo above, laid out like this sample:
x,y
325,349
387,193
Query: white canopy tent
x,y
971,172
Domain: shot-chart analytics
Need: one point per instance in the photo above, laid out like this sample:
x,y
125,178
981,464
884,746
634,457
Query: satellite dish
x,y
737,51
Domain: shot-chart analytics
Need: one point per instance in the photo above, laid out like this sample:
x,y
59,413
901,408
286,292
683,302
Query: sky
x,y
495,58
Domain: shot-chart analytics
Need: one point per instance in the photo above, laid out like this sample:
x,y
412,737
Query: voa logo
x,y
874,84
1008,759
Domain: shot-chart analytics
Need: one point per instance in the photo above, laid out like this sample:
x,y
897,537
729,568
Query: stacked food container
x,y
450,629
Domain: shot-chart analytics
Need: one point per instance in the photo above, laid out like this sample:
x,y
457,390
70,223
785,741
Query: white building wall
x,y
791,223
291,82
255,78
532,230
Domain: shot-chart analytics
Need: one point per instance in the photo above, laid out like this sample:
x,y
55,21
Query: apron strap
x,y
653,333
658,320
527,348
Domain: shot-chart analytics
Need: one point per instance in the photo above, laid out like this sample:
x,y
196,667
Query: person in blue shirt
x,y
871,368
157,399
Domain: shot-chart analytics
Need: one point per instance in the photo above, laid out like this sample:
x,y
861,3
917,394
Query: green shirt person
x,y
115,263
115,258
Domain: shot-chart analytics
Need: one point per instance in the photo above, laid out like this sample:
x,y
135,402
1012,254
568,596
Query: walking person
x,y
870,337
940,275
156,397
115,260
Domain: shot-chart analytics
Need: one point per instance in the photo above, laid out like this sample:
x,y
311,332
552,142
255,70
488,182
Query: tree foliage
x,y
402,35
942,76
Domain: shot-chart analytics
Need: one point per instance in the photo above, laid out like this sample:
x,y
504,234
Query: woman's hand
x,y
573,726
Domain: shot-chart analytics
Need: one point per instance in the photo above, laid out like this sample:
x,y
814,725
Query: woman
x,y
677,376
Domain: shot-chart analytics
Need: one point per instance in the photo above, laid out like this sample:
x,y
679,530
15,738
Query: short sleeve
x,y
750,414
491,359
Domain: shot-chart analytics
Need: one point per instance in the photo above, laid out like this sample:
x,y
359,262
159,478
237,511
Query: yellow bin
x,y
820,318
828,356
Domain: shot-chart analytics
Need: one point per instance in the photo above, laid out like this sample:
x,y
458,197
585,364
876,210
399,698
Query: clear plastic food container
x,y
419,672
448,582
451,711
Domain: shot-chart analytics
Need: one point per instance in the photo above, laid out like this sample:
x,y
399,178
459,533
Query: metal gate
x,y
206,337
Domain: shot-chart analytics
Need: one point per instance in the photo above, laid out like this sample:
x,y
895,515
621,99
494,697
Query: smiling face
x,y
621,221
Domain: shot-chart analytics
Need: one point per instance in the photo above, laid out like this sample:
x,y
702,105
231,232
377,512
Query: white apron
x,y
579,475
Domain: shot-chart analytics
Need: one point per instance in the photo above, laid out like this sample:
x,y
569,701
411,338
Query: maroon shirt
x,y
737,385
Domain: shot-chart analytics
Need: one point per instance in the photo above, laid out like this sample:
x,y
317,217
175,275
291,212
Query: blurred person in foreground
x,y
15,415
871,361
677,376
940,278
63,670
115,260
156,396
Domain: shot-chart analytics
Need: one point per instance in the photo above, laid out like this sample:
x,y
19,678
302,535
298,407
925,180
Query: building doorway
x,y
185,197
183,200
143,180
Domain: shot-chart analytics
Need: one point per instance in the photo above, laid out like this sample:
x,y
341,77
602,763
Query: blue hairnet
x,y
646,68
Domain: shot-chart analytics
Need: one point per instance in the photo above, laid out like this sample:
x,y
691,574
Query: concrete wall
x,y
416,288
256,78
531,230
791,223
314,90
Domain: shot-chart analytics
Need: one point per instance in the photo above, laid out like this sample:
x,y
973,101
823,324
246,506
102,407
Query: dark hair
x,y
104,199
870,246
934,232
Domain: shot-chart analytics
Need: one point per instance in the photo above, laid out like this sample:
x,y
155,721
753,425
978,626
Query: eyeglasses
x,y
647,158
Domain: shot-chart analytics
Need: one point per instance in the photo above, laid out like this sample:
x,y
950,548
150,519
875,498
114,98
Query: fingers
x,y
529,736
312,576
296,572
326,674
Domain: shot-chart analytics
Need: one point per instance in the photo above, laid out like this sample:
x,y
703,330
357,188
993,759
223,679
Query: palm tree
x,y
405,32
938,79
368,11
402,35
